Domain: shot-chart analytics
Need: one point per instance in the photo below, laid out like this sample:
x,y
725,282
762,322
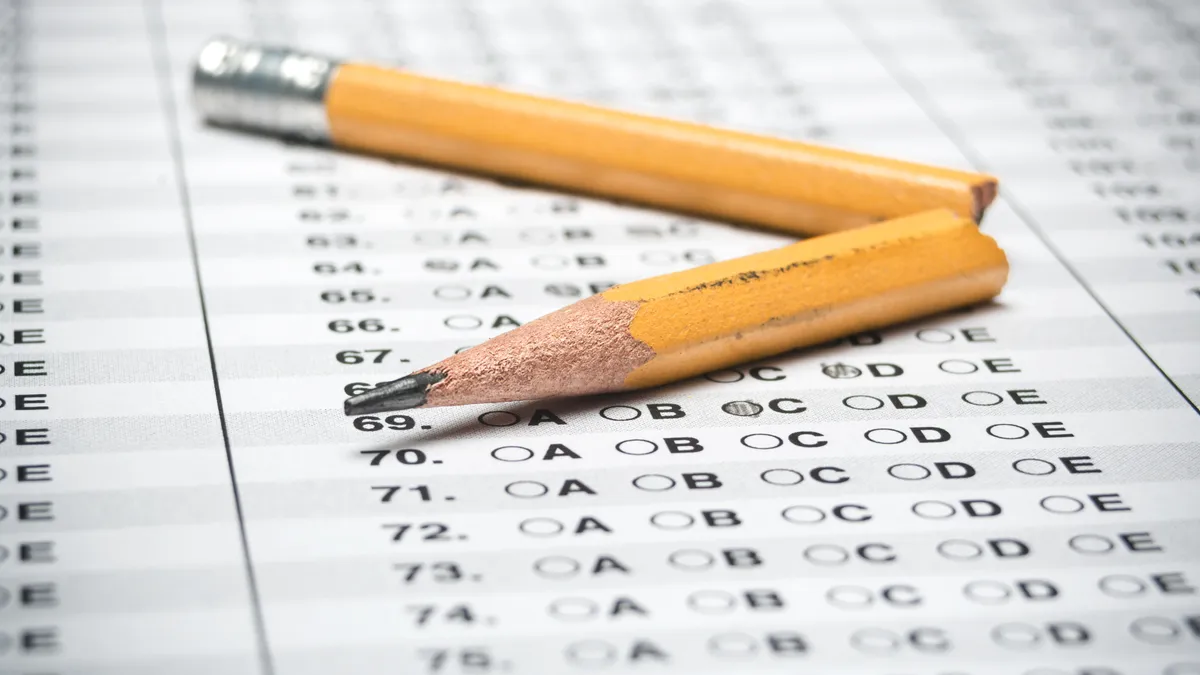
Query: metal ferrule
x,y
269,89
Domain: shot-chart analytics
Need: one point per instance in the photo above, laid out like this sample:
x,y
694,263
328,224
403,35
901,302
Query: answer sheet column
x,y
120,549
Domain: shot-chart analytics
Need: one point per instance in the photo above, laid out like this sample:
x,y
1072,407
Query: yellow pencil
x,y
666,328
777,183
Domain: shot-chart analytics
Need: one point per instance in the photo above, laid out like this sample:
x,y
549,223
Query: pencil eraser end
x,y
275,90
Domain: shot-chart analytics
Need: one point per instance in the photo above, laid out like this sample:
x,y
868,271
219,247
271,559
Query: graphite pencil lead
x,y
402,394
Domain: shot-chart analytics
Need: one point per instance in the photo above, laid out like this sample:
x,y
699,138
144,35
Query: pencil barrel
x,y
682,166
778,183
712,317
679,325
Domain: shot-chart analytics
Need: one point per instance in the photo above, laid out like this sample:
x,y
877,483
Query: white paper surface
x,y
1013,488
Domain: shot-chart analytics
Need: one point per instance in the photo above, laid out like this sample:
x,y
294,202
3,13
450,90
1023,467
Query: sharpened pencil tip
x,y
402,394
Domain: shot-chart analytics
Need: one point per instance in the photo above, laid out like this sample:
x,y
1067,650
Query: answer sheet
x,y
1009,489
